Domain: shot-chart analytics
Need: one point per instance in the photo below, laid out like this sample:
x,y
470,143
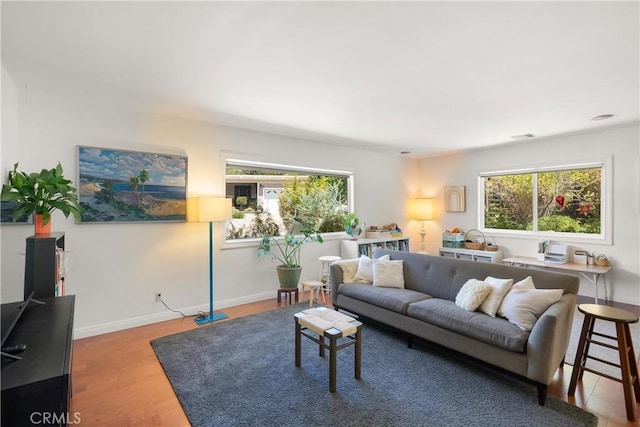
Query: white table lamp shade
x,y
209,209
422,209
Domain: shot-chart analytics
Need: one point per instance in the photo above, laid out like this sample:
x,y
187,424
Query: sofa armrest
x,y
335,279
549,339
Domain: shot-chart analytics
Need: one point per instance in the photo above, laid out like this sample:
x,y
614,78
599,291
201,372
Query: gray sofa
x,y
425,308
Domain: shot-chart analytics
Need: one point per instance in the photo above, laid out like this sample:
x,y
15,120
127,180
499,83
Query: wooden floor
x,y
117,380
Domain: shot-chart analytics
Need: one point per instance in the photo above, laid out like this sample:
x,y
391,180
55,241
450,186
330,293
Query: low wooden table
x,y
287,294
590,272
622,319
333,325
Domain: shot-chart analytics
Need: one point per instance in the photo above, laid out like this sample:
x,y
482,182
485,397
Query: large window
x,y
270,199
567,199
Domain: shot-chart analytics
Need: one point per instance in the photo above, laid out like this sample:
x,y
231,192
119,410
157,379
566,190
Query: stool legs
x,y
287,294
581,353
629,369
357,363
630,380
332,336
298,343
333,361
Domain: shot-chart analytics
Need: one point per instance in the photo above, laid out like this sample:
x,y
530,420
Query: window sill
x,y
557,237
254,243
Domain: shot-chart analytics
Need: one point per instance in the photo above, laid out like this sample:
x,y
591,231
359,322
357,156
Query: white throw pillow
x,y
349,269
526,283
387,273
472,294
499,288
365,269
523,307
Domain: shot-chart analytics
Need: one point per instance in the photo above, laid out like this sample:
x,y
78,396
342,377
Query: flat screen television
x,y
10,317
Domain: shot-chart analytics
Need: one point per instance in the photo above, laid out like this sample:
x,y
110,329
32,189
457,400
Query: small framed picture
x,y
454,199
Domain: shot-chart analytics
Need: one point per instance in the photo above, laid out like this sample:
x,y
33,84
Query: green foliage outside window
x,y
309,200
567,201
318,202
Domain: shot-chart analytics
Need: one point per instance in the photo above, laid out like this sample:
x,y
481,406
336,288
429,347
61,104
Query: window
x,y
564,199
271,200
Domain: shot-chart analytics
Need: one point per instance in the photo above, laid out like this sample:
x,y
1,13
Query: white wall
x,y
114,269
620,143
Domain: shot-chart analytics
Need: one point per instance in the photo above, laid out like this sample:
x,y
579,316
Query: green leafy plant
x,y
41,193
286,249
352,225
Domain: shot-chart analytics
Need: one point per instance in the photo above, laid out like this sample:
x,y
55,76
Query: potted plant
x,y
286,250
352,226
40,194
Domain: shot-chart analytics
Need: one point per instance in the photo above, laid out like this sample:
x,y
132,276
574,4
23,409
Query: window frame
x,y
606,204
243,161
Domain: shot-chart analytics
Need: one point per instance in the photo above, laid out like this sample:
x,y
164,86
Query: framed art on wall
x,y
131,186
6,215
454,200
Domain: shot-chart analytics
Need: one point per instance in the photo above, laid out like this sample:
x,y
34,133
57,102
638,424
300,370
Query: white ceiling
x,y
426,77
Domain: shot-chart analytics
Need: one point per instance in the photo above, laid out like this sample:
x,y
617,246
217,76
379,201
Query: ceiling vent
x,y
603,117
523,136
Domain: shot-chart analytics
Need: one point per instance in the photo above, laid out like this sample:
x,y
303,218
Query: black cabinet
x,y
43,265
36,389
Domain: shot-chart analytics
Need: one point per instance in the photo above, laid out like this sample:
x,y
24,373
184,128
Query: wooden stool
x,y
333,325
287,292
315,288
325,268
622,319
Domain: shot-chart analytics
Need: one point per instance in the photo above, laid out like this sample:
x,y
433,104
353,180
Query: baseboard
x,y
105,328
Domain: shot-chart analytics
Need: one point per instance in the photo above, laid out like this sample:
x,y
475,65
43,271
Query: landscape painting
x,y
6,214
130,186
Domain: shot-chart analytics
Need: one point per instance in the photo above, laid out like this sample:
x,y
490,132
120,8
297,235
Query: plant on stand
x,y
352,226
40,194
286,250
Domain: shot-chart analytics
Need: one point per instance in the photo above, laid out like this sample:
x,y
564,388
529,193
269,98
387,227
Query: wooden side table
x,y
622,319
287,294
333,325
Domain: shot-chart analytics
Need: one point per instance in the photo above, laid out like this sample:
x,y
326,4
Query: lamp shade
x,y
209,209
422,209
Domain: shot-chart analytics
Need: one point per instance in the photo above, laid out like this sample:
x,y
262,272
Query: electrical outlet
x,y
158,296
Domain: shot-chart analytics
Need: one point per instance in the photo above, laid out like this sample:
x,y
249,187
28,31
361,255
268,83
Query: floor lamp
x,y
422,211
210,209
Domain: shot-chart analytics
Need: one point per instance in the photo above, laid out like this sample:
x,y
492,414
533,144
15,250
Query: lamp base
x,y
211,317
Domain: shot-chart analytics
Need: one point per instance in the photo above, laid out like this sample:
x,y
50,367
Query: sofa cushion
x,y
349,268
387,273
394,299
365,269
491,330
526,283
523,307
472,294
500,287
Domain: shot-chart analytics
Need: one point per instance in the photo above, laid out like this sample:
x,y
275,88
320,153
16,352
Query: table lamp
x,y
422,211
210,209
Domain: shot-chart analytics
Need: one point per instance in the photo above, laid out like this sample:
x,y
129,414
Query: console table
x,y
39,384
590,272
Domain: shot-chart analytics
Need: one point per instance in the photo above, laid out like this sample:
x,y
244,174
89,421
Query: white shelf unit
x,y
354,248
471,255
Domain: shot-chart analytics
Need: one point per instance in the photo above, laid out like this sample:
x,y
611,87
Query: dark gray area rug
x,y
241,372
601,352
